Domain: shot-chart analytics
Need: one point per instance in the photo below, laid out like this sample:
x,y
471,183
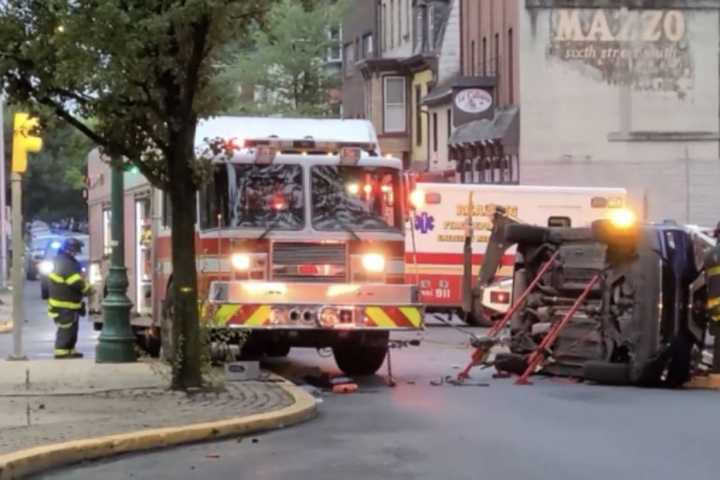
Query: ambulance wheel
x,y
479,317
362,359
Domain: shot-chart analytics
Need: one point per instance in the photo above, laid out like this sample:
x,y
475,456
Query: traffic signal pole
x,y
24,142
17,261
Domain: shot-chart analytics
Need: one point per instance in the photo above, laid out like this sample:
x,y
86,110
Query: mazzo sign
x,y
644,49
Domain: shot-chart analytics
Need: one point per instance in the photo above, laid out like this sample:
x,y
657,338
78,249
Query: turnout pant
x,y
67,331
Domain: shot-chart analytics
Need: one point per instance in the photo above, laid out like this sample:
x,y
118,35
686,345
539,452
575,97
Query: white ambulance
x,y
436,232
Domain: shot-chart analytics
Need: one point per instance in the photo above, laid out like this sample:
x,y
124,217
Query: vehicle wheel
x,y
148,343
526,234
44,291
479,317
362,359
277,350
607,373
167,343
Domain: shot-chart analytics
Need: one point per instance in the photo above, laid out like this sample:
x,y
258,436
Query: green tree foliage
x,y
143,70
284,65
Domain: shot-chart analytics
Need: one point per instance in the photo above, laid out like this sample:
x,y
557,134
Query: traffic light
x,y
24,141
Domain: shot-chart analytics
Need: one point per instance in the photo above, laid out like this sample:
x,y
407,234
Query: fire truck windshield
x,y
362,198
253,196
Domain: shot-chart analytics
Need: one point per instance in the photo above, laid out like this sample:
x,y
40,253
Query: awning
x,y
503,128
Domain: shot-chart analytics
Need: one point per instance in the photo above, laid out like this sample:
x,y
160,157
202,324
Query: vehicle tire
x,y
528,234
44,291
362,360
607,373
167,343
277,350
479,317
148,343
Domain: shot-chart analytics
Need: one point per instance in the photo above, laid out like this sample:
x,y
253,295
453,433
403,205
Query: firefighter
x,y
65,305
712,279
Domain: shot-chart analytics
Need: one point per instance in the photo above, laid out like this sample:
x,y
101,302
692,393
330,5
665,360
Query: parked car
x,y
45,267
36,253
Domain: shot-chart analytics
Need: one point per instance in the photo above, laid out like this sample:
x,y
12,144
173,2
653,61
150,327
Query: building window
x,y
408,14
431,27
511,73
367,45
392,23
357,50
435,131
394,104
335,50
484,56
348,57
107,231
418,115
497,64
472,58
449,123
383,27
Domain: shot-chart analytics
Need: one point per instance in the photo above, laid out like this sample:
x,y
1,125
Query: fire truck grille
x,y
309,262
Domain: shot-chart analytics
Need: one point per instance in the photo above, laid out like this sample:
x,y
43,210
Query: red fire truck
x,y
300,240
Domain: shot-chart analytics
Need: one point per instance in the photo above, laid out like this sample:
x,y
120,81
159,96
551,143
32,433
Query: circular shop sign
x,y
473,100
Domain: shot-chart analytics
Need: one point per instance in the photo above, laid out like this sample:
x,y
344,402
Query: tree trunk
x,y
186,365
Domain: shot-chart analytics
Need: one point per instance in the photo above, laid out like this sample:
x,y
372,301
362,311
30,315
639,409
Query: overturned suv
x,y
642,323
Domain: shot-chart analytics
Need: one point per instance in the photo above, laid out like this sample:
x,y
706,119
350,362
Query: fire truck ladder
x,y
484,344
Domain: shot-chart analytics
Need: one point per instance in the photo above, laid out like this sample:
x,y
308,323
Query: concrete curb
x,y
19,464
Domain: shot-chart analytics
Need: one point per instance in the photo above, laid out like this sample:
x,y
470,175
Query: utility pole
x,y
3,201
116,343
24,141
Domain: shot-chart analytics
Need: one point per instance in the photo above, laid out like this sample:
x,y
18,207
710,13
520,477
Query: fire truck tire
x,y
166,336
277,350
362,359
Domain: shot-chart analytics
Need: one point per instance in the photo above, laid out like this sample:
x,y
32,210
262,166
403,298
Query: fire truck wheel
x,y
277,350
166,336
362,359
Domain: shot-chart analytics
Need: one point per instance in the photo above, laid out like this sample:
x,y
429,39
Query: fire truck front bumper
x,y
325,306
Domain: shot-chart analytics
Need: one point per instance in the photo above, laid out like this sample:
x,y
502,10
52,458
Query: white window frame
x,y
385,104
338,46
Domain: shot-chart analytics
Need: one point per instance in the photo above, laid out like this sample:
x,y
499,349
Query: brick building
x,y
595,93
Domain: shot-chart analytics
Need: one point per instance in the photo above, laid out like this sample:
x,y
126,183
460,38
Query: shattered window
x,y
253,196
359,198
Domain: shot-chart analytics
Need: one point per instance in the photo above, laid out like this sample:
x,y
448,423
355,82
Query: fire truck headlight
x,y
417,199
373,262
240,261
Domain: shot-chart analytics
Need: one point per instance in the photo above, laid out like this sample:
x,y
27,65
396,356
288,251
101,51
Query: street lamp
x,y
116,343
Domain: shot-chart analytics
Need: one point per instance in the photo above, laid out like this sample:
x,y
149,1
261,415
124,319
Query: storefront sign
x,y
473,100
645,49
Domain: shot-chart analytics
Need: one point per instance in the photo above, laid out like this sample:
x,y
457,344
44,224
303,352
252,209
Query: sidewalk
x,y
57,403
6,323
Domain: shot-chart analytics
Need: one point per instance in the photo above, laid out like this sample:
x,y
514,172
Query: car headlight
x,y
240,261
95,276
373,262
46,267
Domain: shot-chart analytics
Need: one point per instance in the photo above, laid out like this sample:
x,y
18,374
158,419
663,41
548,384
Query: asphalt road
x,y
553,429
39,329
